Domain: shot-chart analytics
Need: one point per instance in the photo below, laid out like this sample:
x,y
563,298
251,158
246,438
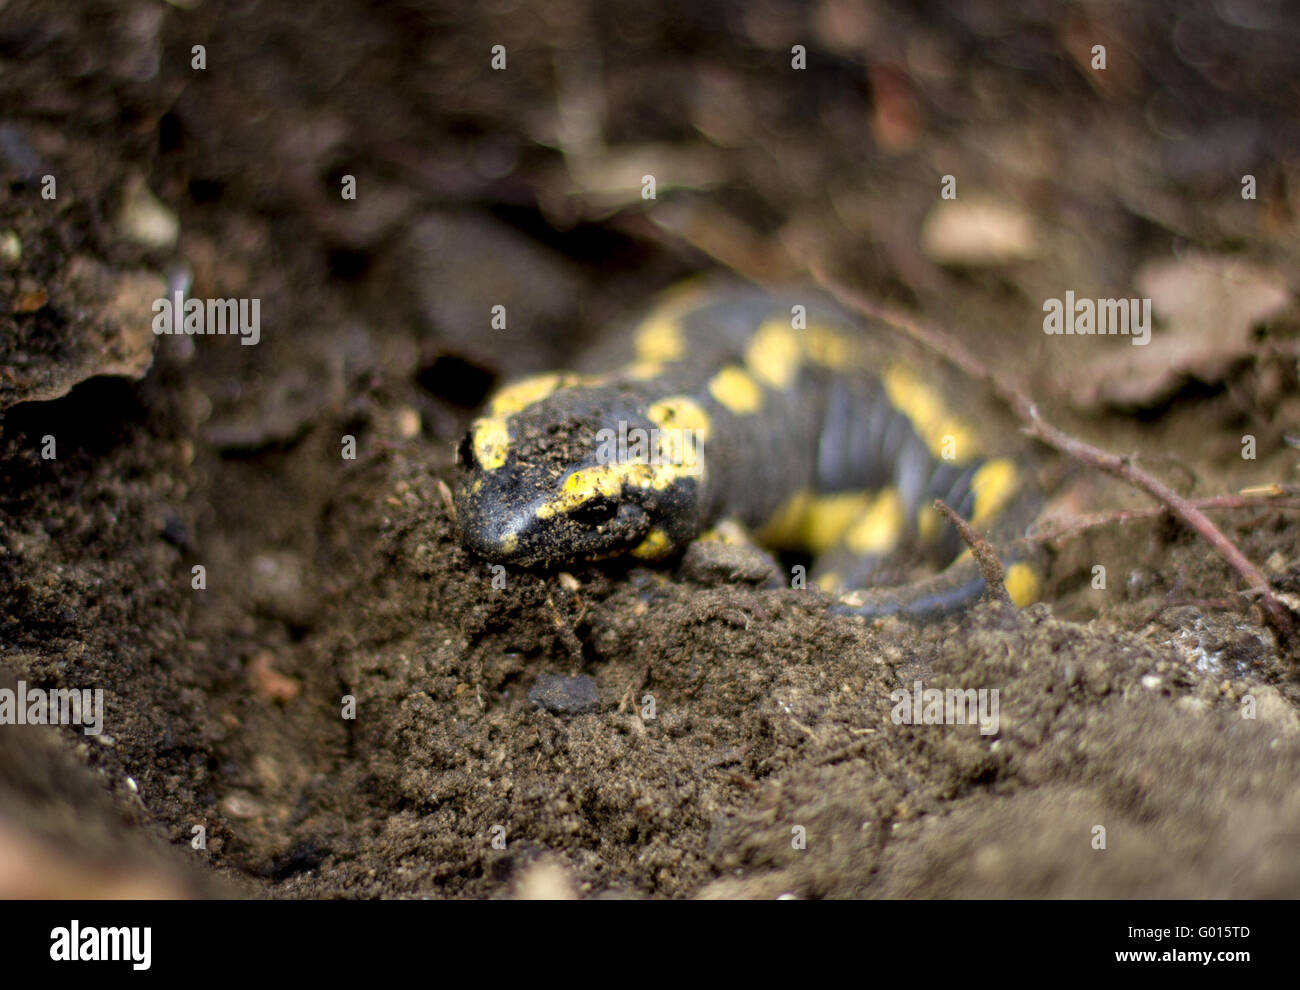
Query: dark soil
x,y
731,721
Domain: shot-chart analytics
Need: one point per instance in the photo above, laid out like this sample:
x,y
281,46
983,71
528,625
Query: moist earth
x,y
351,705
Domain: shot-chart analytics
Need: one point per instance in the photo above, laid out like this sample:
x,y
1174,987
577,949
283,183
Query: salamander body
x,y
776,411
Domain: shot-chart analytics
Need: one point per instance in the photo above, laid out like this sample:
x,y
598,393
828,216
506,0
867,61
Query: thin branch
x,y
985,555
1081,524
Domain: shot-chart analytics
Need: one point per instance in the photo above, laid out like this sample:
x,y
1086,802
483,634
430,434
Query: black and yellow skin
x,y
776,412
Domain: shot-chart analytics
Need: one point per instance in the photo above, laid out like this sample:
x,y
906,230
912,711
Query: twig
x,y
1081,524
985,556
1278,616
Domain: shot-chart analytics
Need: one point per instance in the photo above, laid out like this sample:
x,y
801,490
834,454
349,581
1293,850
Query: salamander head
x,y
587,471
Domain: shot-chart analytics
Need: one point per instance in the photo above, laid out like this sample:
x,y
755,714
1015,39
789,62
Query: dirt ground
x,y
740,741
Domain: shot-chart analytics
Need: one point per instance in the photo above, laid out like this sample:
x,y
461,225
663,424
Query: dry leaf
x,y
1205,309
976,232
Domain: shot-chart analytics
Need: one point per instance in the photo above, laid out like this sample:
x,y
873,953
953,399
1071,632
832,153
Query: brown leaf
x,y
1205,308
30,302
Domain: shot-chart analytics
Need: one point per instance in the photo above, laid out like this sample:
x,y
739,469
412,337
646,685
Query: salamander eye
x,y
595,512
465,452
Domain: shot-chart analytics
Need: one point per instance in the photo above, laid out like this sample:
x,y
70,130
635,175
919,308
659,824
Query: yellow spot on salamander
x,y
491,442
728,532
813,522
683,428
933,421
830,516
773,355
660,339
643,370
655,545
510,542
1022,583
1021,579
929,523
679,412
784,531
518,396
491,434
827,347
830,582
993,485
880,528
609,481
736,390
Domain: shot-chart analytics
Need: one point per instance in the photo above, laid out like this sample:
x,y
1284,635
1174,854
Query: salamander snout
x,y
511,521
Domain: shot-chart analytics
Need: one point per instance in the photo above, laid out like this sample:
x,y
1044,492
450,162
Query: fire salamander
x,y
733,404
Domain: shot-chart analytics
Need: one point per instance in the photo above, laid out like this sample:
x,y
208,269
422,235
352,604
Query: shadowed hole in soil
x,y
458,381
585,242
91,420
348,264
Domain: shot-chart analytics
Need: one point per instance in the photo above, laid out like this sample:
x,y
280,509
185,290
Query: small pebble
x,y
564,695
11,247
145,220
